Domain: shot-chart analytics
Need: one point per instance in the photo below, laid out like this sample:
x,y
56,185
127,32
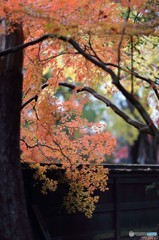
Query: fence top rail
x,y
120,167
133,167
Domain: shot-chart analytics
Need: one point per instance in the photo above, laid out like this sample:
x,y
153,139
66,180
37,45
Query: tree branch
x,y
37,145
152,83
143,128
139,107
34,98
115,79
25,45
135,74
140,126
97,62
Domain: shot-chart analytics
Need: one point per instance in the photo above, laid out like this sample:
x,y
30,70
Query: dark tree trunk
x,y
144,150
14,223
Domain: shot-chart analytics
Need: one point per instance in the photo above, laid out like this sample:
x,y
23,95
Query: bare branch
x,y
139,107
94,52
57,55
38,145
152,83
121,40
25,45
34,98
132,65
140,126
135,74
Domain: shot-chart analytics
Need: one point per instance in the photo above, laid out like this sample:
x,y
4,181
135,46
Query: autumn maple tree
x,y
91,48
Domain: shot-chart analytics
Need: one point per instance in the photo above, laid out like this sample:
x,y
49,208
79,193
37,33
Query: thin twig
x,y
132,65
121,41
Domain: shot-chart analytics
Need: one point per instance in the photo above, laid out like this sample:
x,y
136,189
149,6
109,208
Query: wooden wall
x,y
127,206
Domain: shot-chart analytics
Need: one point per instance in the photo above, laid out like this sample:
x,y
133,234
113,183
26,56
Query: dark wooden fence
x,y
127,206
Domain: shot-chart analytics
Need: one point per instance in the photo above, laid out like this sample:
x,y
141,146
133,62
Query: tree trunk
x,y
14,223
144,150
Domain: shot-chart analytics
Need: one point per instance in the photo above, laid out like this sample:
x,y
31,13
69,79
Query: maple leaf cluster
x,y
53,132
